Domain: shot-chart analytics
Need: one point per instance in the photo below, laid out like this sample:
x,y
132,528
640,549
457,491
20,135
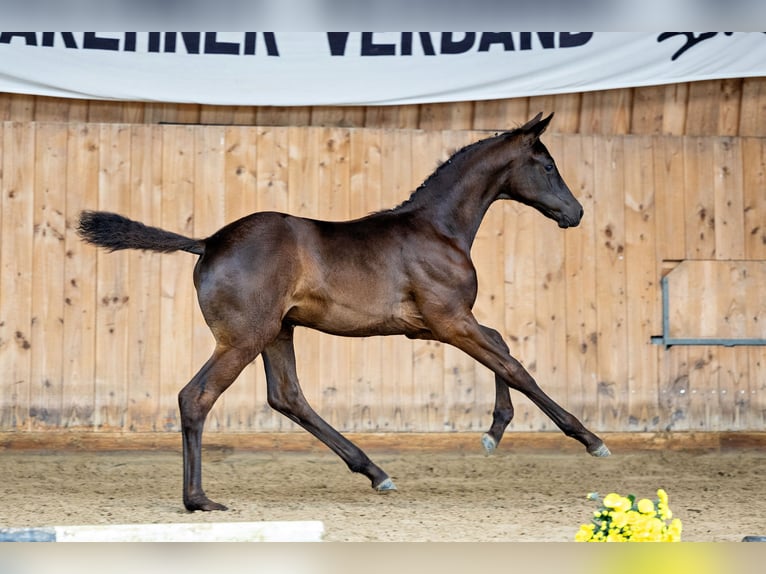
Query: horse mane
x,y
446,165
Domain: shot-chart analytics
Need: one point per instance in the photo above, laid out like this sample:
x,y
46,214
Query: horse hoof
x,y
205,505
386,486
601,451
488,443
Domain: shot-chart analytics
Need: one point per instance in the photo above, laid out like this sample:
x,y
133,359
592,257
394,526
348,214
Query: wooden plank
x,y
395,117
713,107
717,299
606,112
648,110
609,210
728,189
699,198
460,383
428,401
239,190
145,338
502,115
670,219
209,205
520,325
79,336
550,303
754,208
576,166
366,383
282,116
450,115
47,285
272,159
16,256
675,109
271,193
339,116
674,391
642,284
669,213
113,295
729,107
752,117
488,249
333,182
303,189
383,442
753,197
177,292
397,184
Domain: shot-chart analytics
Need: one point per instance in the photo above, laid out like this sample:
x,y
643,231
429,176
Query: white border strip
x,y
276,531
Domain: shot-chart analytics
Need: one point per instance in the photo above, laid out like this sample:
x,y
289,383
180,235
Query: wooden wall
x,y
91,340
733,107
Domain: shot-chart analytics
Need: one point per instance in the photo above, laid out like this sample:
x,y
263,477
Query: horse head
x,y
533,179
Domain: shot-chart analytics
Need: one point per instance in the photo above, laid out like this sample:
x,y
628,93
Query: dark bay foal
x,y
406,271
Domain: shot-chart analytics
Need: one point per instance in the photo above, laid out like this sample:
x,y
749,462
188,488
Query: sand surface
x,y
442,496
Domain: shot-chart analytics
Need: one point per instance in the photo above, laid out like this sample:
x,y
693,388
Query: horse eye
x,y
549,168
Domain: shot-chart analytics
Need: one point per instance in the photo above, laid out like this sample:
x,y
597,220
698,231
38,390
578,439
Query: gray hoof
x,y
488,443
386,486
600,451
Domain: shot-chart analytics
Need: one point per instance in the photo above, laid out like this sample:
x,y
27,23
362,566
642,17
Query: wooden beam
x,y
619,442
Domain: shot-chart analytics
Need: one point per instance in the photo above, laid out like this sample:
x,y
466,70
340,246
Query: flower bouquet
x,y
623,519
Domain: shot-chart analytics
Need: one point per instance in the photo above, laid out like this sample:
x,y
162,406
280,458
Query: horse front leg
x,y
284,394
502,414
195,401
466,334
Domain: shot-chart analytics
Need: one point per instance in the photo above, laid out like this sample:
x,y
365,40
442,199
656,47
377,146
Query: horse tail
x,y
114,232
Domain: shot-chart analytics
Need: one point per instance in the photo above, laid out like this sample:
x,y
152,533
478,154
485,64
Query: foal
x,y
406,271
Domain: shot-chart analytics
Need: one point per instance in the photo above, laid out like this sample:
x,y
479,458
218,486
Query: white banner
x,y
362,68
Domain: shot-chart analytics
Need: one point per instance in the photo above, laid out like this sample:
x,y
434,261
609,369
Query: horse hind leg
x,y
285,396
195,401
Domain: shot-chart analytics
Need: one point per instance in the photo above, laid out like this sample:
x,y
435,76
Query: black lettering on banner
x,y
450,46
489,38
370,48
30,38
570,40
68,37
337,42
130,41
213,46
92,42
428,46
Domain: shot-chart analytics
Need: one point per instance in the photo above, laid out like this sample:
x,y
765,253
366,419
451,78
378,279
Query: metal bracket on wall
x,y
668,341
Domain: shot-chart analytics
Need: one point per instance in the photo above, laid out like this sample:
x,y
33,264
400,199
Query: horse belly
x,y
359,318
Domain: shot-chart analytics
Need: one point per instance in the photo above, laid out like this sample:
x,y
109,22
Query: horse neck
x,y
456,197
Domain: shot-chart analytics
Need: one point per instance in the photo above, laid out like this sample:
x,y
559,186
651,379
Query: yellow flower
x,y
619,519
617,502
646,506
585,533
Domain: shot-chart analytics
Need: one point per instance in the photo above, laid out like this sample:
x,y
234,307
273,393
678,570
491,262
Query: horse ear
x,y
536,126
